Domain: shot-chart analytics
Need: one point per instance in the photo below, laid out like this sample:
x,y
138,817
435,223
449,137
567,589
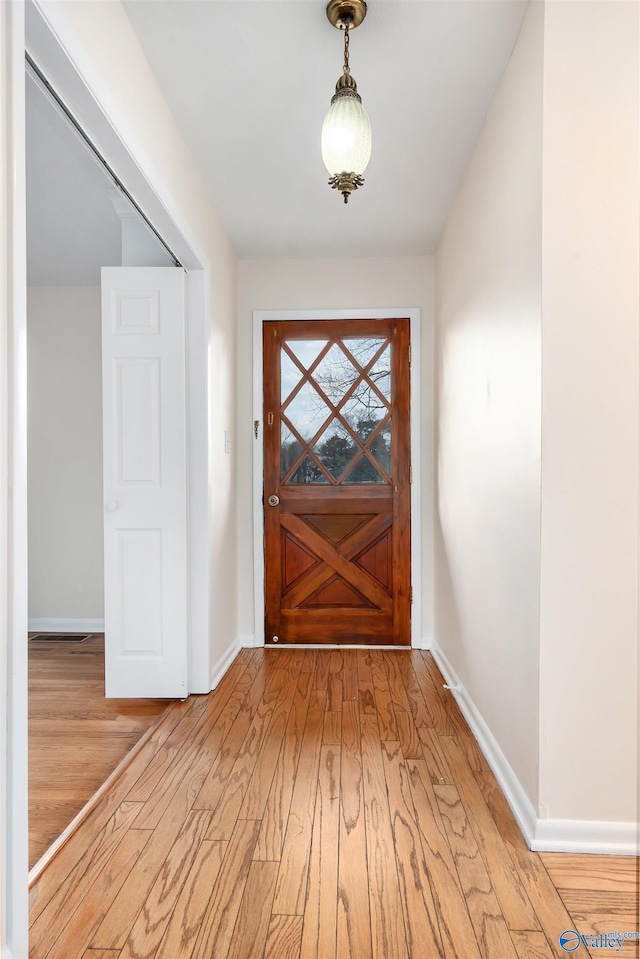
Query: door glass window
x,y
336,426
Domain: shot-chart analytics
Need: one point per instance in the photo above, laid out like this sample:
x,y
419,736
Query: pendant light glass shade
x,y
346,137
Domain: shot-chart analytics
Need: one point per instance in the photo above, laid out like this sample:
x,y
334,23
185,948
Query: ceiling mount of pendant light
x,y
346,131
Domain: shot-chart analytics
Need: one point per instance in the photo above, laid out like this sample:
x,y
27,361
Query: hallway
x,y
316,804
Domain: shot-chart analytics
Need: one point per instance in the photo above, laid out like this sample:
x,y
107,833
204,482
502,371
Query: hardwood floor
x,y
76,736
319,803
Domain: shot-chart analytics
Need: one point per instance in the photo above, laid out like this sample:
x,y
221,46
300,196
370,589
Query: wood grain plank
x,y
148,929
47,922
274,819
77,931
187,918
420,917
319,930
434,757
101,954
507,885
382,696
231,805
221,914
284,938
334,684
387,925
531,945
118,922
252,925
454,922
576,871
294,866
543,895
205,713
433,695
395,677
257,793
50,876
194,763
354,918
349,675
323,664
410,741
332,732
419,711
490,928
367,699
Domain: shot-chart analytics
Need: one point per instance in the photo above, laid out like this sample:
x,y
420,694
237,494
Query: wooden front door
x,y
337,475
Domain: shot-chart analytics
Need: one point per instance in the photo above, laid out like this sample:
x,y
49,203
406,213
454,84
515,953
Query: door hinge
x,y
411,595
410,475
409,354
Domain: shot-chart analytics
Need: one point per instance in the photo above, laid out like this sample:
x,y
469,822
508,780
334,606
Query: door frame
x,y
31,25
282,316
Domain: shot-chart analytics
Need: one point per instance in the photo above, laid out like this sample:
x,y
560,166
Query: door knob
x,y
112,505
273,500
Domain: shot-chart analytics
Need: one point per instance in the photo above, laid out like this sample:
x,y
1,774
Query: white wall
x,y
537,329
487,529
65,453
332,285
105,52
589,588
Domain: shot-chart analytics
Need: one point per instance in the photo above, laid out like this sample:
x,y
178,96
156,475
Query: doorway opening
x,y
79,221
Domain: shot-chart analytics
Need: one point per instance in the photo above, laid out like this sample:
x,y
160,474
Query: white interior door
x,y
145,481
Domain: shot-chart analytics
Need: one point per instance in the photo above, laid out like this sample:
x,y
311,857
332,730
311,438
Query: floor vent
x,y
59,637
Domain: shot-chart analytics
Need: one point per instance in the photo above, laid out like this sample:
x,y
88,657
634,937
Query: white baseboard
x,y
219,669
421,642
249,642
48,624
520,804
574,835
542,835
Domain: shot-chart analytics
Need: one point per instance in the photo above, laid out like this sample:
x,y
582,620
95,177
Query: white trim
x,y
220,668
574,835
49,624
520,804
198,480
13,489
542,835
394,649
249,642
423,642
283,316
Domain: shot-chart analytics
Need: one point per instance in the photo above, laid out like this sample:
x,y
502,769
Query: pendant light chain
x,y
345,68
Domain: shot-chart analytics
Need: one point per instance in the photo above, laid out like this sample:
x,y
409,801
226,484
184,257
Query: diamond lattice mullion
x,y
306,449
374,359
351,465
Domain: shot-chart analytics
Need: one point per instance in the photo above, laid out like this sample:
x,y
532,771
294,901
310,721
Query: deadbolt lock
x,y
273,500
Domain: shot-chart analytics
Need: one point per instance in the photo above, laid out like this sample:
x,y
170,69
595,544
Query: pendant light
x,y
346,131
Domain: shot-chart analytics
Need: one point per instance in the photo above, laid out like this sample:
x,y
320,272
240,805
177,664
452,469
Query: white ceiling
x,y
249,82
